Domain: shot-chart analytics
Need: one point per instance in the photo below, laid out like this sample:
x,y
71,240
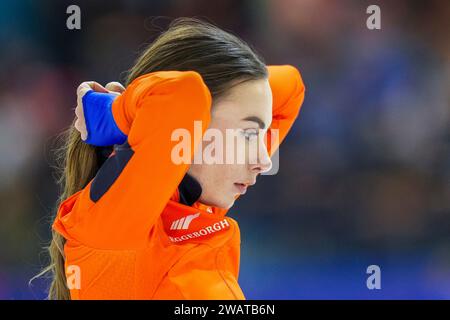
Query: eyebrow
x,y
258,120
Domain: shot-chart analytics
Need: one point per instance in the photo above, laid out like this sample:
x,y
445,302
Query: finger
x,y
80,125
97,87
81,130
90,85
115,87
78,112
81,91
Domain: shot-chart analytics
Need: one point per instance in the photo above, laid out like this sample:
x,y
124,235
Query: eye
x,y
250,134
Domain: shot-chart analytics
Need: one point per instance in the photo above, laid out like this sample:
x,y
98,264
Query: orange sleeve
x,y
288,92
120,205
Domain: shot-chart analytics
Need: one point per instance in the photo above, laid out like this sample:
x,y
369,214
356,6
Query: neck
x,y
190,190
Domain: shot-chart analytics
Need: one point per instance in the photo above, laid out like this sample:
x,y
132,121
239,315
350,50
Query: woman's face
x,y
241,117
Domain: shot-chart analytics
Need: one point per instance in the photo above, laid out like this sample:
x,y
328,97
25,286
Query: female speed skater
x,y
132,223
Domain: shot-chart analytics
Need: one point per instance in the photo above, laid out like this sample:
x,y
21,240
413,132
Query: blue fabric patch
x,y
110,171
102,130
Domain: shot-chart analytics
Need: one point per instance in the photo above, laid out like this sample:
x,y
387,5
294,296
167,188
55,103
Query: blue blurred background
x,y
364,175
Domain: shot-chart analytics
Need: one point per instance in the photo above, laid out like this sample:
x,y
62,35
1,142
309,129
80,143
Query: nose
x,y
264,163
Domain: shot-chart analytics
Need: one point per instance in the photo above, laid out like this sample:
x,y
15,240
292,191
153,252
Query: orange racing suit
x,y
134,232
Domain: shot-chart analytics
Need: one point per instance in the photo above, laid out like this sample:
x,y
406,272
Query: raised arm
x,y
120,205
288,92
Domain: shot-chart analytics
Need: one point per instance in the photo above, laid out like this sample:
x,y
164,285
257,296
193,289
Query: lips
x,y
241,187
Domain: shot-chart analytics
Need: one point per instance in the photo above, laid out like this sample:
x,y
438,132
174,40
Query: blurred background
x,y
364,175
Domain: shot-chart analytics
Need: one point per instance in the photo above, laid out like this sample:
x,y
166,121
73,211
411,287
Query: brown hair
x,y
222,59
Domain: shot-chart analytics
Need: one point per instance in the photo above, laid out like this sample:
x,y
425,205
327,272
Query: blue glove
x,y
102,130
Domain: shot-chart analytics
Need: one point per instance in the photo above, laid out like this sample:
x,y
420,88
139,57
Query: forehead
x,y
250,98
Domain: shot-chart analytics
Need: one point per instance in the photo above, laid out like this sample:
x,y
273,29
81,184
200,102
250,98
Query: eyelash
x,y
250,134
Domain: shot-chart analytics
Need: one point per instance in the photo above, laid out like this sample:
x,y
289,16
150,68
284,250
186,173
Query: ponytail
x,y
77,164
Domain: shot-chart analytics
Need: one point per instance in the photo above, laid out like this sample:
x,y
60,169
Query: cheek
x,y
255,148
219,176
217,183
241,150
211,177
216,179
